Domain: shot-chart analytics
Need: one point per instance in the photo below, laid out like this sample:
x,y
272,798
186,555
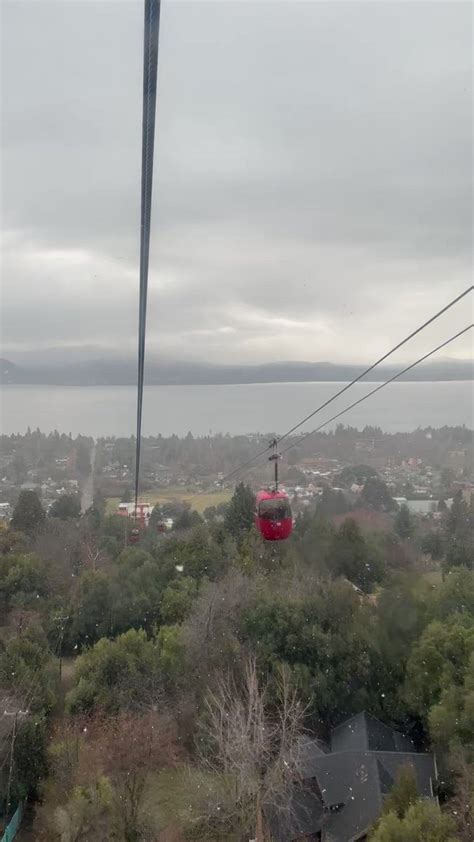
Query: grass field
x,y
197,501
175,799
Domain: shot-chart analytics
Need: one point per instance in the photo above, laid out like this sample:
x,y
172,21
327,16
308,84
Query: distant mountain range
x,y
109,372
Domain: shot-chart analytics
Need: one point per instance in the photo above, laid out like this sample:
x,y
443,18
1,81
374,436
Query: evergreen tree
x,y
67,506
239,515
350,556
28,514
375,495
187,520
127,496
404,522
332,503
423,822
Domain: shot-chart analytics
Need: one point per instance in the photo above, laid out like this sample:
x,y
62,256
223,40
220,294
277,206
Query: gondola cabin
x,y
273,517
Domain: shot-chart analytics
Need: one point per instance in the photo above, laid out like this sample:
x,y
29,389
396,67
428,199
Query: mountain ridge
x,y
100,372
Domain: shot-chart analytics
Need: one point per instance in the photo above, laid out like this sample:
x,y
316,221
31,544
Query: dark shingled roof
x,y
358,780
306,751
304,816
344,789
365,733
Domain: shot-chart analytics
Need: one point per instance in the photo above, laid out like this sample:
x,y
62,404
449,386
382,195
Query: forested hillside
x,y
156,639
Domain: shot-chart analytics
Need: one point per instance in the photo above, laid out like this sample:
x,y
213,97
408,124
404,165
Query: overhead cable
x,y
374,365
347,386
379,387
150,69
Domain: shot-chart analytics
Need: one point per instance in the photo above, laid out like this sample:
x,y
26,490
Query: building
x,y
343,785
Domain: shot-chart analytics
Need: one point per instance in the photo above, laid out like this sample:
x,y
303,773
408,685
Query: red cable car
x,y
273,517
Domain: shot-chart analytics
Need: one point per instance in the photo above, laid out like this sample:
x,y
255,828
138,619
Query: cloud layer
x,y
313,190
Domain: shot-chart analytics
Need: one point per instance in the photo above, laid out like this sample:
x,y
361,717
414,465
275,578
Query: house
x,y
342,786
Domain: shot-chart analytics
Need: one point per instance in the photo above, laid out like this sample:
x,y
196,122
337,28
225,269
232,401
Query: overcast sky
x,y
313,178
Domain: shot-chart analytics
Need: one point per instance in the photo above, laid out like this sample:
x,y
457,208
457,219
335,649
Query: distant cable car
x,y
273,517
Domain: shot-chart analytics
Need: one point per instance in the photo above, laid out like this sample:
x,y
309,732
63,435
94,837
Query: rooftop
x,y
341,790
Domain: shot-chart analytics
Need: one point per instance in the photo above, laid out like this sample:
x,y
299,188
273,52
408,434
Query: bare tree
x,y
462,804
100,769
93,556
128,748
253,746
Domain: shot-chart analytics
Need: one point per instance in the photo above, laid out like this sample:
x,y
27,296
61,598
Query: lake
x,y
235,409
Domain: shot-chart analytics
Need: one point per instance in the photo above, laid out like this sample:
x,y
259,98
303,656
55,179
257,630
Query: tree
x,y
100,768
23,578
128,748
462,803
432,544
178,599
252,747
329,638
375,495
439,660
28,514
332,503
451,719
127,495
172,656
403,793
238,518
423,822
115,674
460,553
350,556
356,474
197,554
314,535
187,520
455,594
66,506
25,669
403,522
86,813
91,611
30,757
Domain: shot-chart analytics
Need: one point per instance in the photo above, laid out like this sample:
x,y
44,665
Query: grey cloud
x,y
313,164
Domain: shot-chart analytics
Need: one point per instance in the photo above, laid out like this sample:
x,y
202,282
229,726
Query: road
x,y
87,496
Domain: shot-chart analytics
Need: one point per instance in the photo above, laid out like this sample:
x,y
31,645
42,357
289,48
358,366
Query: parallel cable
x,y
378,388
355,380
150,71
381,360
